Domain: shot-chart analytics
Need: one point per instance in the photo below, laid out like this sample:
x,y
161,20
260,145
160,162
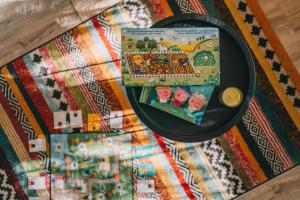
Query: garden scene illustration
x,y
170,56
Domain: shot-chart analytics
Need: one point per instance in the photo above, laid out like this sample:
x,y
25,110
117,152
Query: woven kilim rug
x,y
81,70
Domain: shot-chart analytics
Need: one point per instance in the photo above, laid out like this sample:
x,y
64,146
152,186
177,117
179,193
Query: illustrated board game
x,y
173,56
91,166
186,102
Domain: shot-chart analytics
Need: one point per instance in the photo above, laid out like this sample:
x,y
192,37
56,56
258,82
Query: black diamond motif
x,y
56,94
242,6
297,102
254,129
262,141
291,91
276,66
262,42
269,54
246,117
63,106
100,99
277,167
255,30
37,58
43,71
283,78
249,18
50,82
269,154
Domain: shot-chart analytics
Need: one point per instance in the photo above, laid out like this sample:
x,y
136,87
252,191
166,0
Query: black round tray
x,y
237,69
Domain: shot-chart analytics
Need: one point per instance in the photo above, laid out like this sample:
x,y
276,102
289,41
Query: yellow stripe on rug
x,y
166,8
243,145
264,63
275,42
17,145
22,102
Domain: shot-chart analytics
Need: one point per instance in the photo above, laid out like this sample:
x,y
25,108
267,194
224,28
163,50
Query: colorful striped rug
x,y
81,70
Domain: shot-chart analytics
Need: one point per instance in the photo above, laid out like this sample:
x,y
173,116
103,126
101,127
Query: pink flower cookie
x,y
180,97
197,101
163,94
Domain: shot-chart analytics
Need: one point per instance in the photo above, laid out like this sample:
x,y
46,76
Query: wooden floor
x,y
283,187
285,19
25,25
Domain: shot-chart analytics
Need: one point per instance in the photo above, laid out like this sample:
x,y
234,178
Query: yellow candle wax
x,y
231,97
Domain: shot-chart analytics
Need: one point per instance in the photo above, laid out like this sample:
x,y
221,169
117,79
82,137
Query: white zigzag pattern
x,y
262,142
138,13
5,188
16,107
19,113
111,37
87,75
188,177
225,171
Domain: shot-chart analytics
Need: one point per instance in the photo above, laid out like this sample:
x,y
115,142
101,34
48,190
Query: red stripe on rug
x,y
174,166
159,11
33,91
12,177
270,133
242,158
61,84
198,7
55,73
80,82
107,44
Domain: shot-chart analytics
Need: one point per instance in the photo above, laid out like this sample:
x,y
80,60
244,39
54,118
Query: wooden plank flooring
x,y
27,24
88,8
285,19
283,187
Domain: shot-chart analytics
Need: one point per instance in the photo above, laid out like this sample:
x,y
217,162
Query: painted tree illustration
x,y
152,44
204,58
146,39
140,44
